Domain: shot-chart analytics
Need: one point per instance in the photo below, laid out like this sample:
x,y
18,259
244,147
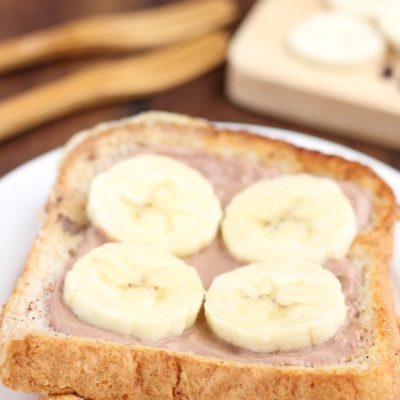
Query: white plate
x,y
23,193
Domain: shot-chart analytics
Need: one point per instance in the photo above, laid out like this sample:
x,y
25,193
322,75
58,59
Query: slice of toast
x,y
36,358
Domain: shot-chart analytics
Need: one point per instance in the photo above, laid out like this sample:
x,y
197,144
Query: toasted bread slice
x,y
36,358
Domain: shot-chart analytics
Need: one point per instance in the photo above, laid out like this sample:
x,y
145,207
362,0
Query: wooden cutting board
x,y
265,76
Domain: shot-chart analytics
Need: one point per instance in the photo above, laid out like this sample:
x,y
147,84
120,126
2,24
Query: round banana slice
x,y
336,39
300,216
362,8
283,306
134,290
156,200
389,23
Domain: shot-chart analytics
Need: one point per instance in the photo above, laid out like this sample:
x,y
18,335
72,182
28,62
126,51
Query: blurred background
x,y
202,96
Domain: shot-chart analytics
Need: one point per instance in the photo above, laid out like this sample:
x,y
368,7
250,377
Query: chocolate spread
x,y
230,175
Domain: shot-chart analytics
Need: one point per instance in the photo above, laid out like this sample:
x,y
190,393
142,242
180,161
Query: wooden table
x,y
203,97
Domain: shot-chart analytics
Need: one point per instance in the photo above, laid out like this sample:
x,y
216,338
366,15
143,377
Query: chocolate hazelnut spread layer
x,y
229,176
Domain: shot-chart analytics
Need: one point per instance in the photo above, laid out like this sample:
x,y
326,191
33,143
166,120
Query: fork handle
x,y
154,27
128,78
46,103
32,48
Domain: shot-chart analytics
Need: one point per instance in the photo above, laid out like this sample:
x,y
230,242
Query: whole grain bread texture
x,y
35,358
60,397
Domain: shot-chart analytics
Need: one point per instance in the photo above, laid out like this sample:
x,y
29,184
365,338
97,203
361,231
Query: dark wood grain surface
x,y
203,97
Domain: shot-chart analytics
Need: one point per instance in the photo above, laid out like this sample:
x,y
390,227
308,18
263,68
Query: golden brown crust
x,y
59,397
154,374
73,397
43,361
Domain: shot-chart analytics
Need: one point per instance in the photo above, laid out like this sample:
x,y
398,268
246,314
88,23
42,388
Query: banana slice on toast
x,y
154,199
300,216
276,306
134,290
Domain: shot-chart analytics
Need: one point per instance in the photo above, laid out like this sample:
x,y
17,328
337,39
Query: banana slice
x,y
155,200
389,23
336,39
134,290
302,216
362,8
281,306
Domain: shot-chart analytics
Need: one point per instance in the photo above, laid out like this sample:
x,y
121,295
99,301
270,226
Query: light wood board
x,y
265,76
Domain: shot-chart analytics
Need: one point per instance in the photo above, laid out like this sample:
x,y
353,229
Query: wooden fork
x,y
132,77
135,30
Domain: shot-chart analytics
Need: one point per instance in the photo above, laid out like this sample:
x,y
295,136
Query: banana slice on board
x,y
134,290
362,8
301,216
389,23
155,200
336,39
282,306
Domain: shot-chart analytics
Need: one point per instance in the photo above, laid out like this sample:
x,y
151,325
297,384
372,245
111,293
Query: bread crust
x,y
35,358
